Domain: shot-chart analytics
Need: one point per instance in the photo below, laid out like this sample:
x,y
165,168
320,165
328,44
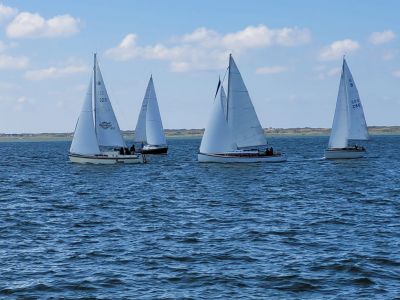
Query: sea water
x,y
175,228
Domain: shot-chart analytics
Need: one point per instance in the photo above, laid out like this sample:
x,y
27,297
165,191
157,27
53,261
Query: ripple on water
x,y
174,228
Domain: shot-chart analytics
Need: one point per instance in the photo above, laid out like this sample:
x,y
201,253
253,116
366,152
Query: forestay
x,y
85,140
242,118
217,137
107,129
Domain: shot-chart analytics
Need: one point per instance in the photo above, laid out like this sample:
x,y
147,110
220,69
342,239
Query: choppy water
x,y
174,228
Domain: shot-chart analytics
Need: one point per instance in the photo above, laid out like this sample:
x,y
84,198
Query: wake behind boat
x,y
99,141
349,120
149,129
234,133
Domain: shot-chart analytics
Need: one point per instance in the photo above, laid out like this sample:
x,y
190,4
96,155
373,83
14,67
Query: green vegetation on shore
x,y
306,131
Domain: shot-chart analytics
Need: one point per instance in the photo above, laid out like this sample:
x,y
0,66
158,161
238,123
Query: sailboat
x,y
234,133
97,137
149,129
349,120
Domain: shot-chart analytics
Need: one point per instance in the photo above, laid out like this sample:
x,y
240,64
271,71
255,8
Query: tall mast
x,y
229,84
94,92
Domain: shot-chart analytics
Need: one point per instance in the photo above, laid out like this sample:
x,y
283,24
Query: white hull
x,y
226,158
345,153
106,159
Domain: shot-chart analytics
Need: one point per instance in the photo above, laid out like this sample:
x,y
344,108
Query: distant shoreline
x,y
188,133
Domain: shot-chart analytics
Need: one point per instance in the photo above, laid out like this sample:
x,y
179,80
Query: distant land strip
x,y
128,134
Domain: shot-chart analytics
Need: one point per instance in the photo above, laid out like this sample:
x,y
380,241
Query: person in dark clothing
x,y
271,151
121,151
127,152
133,150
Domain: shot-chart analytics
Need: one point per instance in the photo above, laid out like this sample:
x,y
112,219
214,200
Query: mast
x,y
94,92
347,101
229,84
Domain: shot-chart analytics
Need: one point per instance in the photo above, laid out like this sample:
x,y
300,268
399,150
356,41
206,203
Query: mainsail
x,y
349,121
149,127
85,140
217,136
358,129
107,129
242,118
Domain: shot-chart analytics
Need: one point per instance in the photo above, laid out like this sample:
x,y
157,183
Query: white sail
x,y
154,128
107,129
242,118
339,132
140,130
358,129
217,137
85,140
349,121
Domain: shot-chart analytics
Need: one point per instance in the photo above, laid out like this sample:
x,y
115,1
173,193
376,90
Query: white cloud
x,y
22,102
382,37
323,72
262,36
396,73
271,70
334,71
9,86
389,54
205,49
29,25
13,62
55,72
338,49
7,12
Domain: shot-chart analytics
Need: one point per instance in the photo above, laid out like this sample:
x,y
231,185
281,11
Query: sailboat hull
x,y
106,159
242,158
154,149
344,153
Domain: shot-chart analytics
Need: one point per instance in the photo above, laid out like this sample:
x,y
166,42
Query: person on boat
x,y
133,150
142,145
127,152
271,151
121,151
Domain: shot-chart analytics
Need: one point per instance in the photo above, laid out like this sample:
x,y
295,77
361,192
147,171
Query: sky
x,y
289,54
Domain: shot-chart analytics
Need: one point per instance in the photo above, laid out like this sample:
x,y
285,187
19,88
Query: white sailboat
x,y
349,120
98,139
149,129
234,133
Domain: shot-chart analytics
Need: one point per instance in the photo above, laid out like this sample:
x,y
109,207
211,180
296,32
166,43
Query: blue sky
x,y
289,54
